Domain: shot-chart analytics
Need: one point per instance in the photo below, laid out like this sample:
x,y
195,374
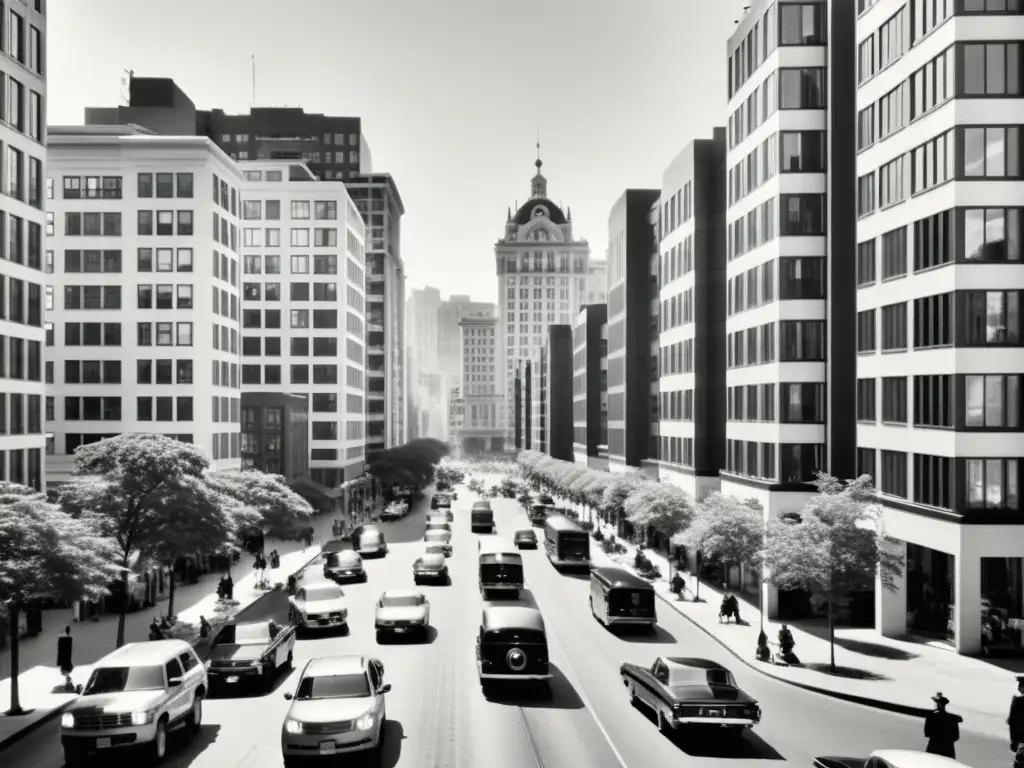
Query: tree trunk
x,y
760,600
14,610
170,593
831,637
122,611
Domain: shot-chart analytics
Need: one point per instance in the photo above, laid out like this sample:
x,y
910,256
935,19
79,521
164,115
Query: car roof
x,y
562,523
393,593
526,532
512,617
349,554
911,758
144,654
683,662
319,585
618,577
325,666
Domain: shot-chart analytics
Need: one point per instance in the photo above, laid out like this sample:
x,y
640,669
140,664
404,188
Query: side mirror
x,y
78,689
288,697
384,688
174,682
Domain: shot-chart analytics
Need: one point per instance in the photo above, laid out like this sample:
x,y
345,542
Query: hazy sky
x,y
450,91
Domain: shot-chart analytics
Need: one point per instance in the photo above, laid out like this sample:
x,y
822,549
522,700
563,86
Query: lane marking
x,y
530,738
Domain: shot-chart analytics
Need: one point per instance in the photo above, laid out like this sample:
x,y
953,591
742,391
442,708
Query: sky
x,y
451,94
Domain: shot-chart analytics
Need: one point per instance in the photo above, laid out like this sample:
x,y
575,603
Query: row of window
x,y
270,210
20,414
798,341
797,462
323,264
298,318
22,175
964,402
21,242
21,302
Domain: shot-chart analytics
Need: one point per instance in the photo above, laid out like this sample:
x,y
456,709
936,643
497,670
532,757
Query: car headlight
x,y
365,722
67,720
292,726
142,718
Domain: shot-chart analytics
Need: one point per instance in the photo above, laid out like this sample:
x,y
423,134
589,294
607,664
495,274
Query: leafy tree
x,y
660,507
47,552
837,547
120,484
411,464
615,494
280,513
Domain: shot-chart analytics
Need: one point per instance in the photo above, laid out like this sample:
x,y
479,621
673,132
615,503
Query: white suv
x,y
134,697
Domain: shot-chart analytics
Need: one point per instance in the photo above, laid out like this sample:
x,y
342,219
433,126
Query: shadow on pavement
x,y
558,694
850,673
182,749
748,746
876,650
393,638
655,634
393,737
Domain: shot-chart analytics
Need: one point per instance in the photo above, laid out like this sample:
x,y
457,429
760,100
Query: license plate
x,y
715,712
328,748
102,743
233,679
399,629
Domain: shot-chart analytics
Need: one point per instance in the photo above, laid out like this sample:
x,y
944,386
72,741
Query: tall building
x,y
939,330
23,133
542,278
558,395
143,232
537,403
377,199
631,243
597,283
449,339
421,312
275,434
303,271
426,397
691,355
589,384
483,427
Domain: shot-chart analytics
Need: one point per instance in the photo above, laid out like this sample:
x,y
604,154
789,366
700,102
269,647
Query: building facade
x,y
597,283
449,340
542,279
23,439
537,402
483,426
275,434
426,396
631,243
589,382
144,231
691,355
304,312
558,394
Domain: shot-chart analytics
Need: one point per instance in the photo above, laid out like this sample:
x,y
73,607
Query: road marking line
x,y
530,738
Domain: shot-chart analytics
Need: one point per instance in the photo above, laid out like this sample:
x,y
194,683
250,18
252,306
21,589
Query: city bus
x,y
566,544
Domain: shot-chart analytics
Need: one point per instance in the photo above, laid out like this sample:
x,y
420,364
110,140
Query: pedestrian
x,y
64,663
155,633
204,628
1016,723
942,729
678,585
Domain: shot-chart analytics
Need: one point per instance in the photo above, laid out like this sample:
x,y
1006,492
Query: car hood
x,y
402,613
236,652
326,606
115,703
707,694
329,710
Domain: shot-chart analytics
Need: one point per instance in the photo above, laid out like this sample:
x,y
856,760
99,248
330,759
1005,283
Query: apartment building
x,y
588,383
483,426
940,104
691,318
22,335
143,240
304,272
275,434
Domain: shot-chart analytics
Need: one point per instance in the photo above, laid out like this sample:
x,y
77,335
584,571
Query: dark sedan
x,y
525,539
686,692
250,652
430,567
345,565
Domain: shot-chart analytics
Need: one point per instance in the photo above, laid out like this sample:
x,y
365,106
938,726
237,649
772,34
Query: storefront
x,y
1002,604
930,593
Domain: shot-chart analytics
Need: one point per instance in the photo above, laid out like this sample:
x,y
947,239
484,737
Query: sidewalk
x,y
94,639
889,674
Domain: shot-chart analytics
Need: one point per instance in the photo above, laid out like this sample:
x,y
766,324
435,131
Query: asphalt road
x,y
438,717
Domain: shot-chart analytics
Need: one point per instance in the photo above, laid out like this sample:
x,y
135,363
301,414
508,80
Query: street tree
x,y
120,484
835,548
47,553
267,506
614,497
659,507
409,465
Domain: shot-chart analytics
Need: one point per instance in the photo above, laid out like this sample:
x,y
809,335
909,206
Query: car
x,y
368,541
525,539
396,510
685,692
434,548
319,606
512,647
337,708
437,524
444,538
430,567
402,612
890,758
544,499
440,500
134,697
250,653
345,565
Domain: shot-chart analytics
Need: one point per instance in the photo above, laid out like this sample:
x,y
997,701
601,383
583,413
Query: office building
x,y
303,271
483,427
631,243
143,232
426,406
597,283
938,328
558,404
691,287
449,339
275,434
542,278
23,133
589,383
456,411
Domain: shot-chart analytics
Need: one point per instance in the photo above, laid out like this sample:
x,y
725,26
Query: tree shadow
x,y
849,673
653,634
877,650
410,638
559,693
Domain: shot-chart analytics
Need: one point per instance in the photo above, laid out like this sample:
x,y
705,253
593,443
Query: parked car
x,y
250,652
525,539
440,501
890,758
402,612
134,697
345,565
319,606
430,567
689,692
337,709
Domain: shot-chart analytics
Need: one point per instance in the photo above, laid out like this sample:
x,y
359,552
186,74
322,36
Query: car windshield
x,y
401,601
323,592
370,537
118,679
526,535
333,687
432,559
343,558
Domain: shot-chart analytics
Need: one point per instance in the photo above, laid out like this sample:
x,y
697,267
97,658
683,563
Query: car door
x,y
376,673
192,669
177,696
660,675
300,604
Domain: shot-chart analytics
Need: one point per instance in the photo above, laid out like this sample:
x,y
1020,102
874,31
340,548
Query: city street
x,y
437,715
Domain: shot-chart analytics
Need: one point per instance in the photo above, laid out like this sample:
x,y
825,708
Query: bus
x,y
618,597
500,567
566,544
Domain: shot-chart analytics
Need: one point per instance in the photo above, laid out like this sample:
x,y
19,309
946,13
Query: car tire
x,y
290,661
380,637
416,581
293,762
75,758
158,747
380,751
194,721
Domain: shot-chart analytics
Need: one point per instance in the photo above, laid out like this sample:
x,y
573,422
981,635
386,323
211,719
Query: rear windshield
x,y
401,601
369,537
624,599
515,636
574,542
118,679
244,634
324,592
343,558
436,535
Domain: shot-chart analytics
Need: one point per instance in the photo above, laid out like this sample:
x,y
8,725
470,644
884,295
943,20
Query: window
x,y
993,317
802,24
934,241
165,222
991,69
934,162
866,331
993,483
894,181
165,185
801,340
894,474
991,152
992,401
802,214
802,403
866,263
933,480
894,400
801,463
992,234
802,88
185,184
300,265
894,110
894,253
866,400
933,401
802,151
866,124
300,209
802,277
866,462
894,327
184,222
326,209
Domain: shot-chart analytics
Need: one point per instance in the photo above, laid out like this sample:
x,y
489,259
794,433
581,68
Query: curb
x,y
864,701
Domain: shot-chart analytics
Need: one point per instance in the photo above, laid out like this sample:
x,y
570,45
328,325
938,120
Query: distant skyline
x,y
451,93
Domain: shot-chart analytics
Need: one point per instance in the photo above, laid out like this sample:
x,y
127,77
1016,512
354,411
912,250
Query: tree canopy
x,y
262,502
727,528
411,464
659,506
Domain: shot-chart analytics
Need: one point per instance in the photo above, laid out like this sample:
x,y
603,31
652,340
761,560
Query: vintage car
x,y
319,606
525,539
402,612
440,501
890,758
345,565
134,697
368,541
430,567
444,538
512,646
525,501
435,523
685,692
250,652
544,500
394,511
337,709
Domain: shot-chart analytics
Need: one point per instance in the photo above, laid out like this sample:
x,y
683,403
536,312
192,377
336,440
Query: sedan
x,y
686,692
890,758
319,606
345,565
402,612
525,539
337,709
250,651
430,567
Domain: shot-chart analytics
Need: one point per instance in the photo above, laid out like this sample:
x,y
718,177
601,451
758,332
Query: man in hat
x,y
942,729
1016,722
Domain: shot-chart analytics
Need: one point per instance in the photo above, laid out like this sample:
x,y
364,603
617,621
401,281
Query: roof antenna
x,y
538,162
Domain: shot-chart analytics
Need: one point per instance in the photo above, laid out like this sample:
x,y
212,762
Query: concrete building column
x,y
967,616
769,600
891,607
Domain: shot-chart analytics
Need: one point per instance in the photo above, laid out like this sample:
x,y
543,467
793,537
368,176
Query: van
x,y
620,598
512,647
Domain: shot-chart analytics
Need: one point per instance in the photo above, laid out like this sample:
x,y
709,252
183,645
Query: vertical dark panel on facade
x,y
597,318
841,311
559,392
517,415
528,408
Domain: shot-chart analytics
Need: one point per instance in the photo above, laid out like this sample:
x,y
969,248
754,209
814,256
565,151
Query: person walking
x,y
942,729
1015,721
204,628
65,644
